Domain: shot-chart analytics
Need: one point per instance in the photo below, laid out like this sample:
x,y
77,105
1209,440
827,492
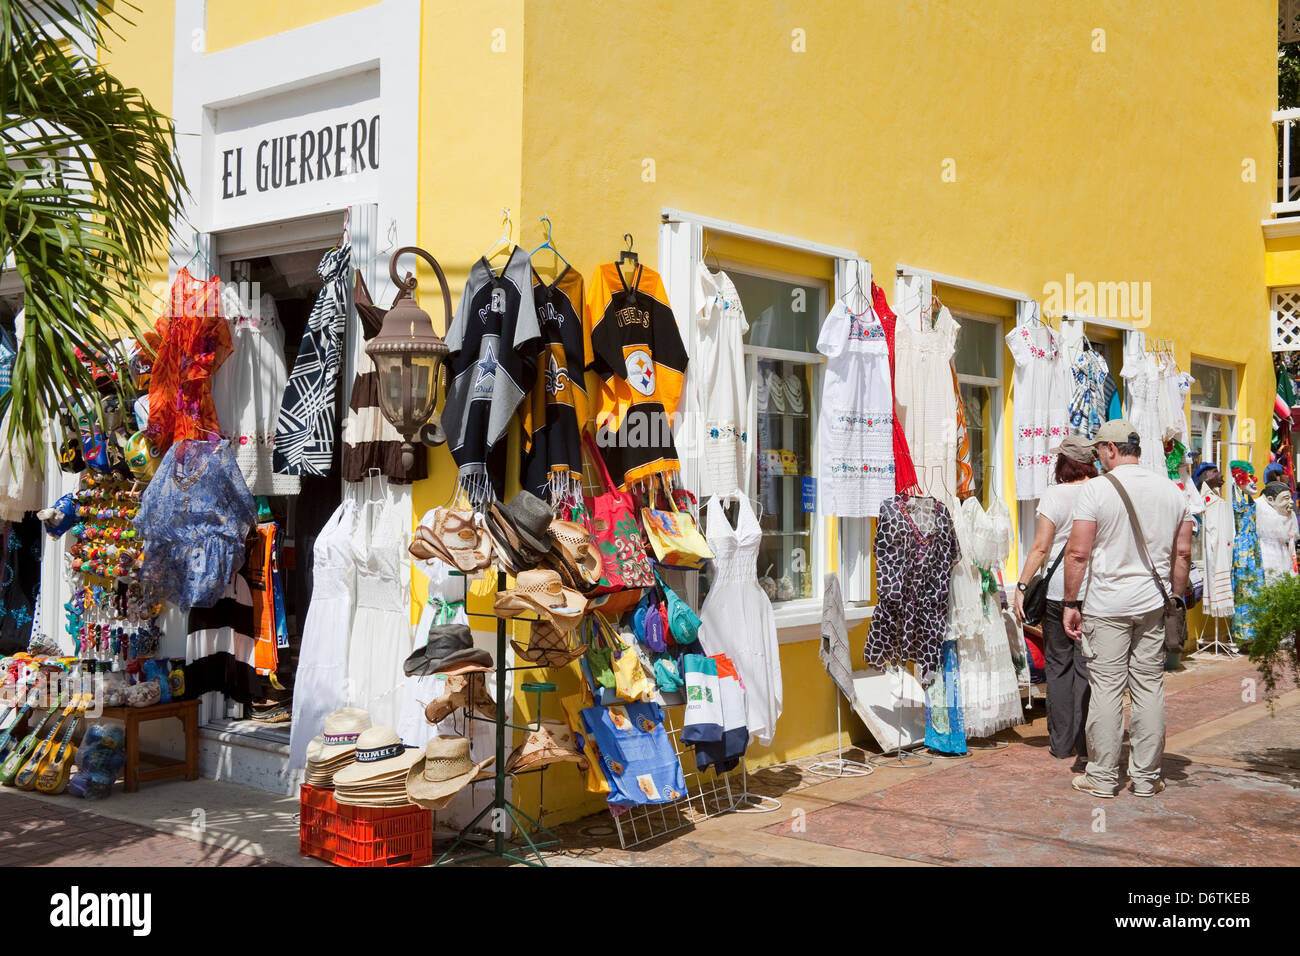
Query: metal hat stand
x,y
501,809
1216,649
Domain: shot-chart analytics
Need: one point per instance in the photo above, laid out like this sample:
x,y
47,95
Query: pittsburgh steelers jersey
x,y
637,352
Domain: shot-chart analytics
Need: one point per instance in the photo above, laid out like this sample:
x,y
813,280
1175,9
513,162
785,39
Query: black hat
x,y
449,644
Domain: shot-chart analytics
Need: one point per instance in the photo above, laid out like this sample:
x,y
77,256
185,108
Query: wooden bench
x,y
160,768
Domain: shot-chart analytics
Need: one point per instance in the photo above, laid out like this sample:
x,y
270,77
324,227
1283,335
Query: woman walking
x,y
1067,672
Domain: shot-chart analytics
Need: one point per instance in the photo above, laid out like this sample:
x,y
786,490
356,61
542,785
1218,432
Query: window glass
x,y
980,406
781,315
786,477
1212,386
978,344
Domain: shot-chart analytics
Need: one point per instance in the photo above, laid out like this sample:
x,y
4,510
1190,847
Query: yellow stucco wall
x,y
1007,142
236,22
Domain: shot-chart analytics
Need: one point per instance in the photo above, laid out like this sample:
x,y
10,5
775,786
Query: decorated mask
x,y
1243,473
142,456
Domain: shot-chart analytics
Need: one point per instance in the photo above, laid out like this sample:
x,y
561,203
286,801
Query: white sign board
x,y
296,153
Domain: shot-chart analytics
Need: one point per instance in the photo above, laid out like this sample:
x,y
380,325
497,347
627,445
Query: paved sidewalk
x,y
1233,798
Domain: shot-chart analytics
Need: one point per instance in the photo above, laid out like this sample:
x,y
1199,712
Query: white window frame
x,y
681,248
993,383
1214,414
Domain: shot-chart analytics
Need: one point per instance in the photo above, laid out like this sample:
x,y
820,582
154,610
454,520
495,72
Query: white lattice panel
x,y
1284,320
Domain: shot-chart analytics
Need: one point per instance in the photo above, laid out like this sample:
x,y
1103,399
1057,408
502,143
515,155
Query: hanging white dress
x,y
21,488
855,440
320,681
1040,405
381,628
1277,534
927,402
737,618
1218,534
722,394
247,392
990,691
1142,390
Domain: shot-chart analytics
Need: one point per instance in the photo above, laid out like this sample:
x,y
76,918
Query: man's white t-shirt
x,y
1057,506
1119,585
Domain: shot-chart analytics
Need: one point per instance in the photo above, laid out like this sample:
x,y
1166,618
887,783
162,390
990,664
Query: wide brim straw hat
x,y
380,753
541,590
551,743
444,769
338,737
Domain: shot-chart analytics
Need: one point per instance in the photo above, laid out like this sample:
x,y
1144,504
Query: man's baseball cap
x,y
1116,430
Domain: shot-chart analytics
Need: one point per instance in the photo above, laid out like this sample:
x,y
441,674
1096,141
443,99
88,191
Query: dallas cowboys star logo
x,y
487,368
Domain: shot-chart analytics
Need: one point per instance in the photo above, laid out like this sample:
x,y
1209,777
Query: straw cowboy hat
x,y
380,753
448,645
455,538
462,690
551,743
542,591
443,770
574,555
548,647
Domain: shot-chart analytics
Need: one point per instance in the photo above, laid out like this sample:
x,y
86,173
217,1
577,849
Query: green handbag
x,y
600,660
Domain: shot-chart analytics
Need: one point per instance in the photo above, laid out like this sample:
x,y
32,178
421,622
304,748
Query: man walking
x,y
1120,619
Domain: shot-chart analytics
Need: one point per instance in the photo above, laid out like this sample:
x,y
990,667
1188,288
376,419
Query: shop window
x,y
978,359
1214,413
783,369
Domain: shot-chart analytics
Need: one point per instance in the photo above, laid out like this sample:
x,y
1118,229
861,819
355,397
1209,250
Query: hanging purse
x,y
1175,617
674,537
614,530
683,622
600,660
1036,592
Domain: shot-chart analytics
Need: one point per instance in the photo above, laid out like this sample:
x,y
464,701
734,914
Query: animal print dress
x,y
914,556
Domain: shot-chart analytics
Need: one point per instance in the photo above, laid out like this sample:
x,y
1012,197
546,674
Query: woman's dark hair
x,y
1067,469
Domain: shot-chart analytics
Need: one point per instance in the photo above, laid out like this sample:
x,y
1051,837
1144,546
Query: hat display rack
x,y
535,837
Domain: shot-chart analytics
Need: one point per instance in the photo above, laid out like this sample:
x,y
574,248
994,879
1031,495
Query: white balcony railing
x,y
1287,199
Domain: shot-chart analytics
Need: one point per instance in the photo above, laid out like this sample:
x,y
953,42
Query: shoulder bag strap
x,y
1052,570
1137,534
599,460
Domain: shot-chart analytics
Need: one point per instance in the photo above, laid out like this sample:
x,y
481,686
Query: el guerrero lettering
x,y
331,152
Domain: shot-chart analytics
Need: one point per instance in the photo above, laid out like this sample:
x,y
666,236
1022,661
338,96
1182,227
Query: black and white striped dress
x,y
304,432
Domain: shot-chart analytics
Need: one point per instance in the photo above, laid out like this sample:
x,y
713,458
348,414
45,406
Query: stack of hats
x,y
378,776
518,530
336,746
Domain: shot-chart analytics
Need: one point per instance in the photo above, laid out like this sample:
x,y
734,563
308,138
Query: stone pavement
x,y
1234,794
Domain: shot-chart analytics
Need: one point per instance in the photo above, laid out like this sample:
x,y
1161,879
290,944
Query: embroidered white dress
x,y
855,437
927,401
1142,390
990,691
381,629
320,682
1040,406
737,618
1277,534
722,394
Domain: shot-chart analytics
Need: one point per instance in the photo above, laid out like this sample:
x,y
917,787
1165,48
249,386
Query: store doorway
x,y
275,268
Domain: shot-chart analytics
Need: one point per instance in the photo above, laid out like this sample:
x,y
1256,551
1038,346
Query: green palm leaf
x,y
89,189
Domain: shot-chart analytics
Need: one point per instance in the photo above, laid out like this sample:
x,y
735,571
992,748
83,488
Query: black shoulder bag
x,y
1036,592
1175,616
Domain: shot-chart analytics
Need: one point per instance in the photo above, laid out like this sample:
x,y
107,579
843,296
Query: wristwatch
x,y
1074,604
1021,586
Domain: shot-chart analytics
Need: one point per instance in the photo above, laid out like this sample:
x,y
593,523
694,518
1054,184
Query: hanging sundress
x,y
722,394
855,440
926,400
304,429
945,728
1142,391
1040,403
320,681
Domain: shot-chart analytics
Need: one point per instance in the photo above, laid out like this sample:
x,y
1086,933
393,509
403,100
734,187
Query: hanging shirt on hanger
x,y
556,409
493,341
304,430
1090,374
637,350
926,401
855,446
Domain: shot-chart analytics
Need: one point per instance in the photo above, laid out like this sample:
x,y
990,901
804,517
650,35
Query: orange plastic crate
x,y
362,836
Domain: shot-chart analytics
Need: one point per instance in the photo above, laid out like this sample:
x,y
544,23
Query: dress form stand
x,y
747,802
839,767
1216,649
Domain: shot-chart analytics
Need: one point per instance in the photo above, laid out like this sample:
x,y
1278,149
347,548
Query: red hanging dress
x,y
904,470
